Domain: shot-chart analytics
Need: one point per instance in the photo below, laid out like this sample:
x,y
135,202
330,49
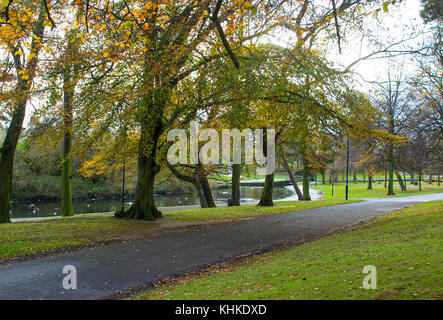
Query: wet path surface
x,y
104,270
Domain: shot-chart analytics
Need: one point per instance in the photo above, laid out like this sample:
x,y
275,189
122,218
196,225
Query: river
x,y
50,209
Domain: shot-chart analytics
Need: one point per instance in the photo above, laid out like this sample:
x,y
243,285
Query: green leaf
x,y
5,3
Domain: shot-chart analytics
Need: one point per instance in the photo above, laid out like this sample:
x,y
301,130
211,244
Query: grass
x,y
38,237
245,211
48,235
405,246
360,190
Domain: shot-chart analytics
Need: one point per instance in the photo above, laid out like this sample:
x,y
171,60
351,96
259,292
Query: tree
x,y
393,103
24,26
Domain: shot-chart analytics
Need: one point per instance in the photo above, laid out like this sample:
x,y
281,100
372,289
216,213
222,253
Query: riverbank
x,y
48,188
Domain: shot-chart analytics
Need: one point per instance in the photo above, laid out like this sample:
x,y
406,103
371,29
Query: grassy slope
x,y
42,236
405,247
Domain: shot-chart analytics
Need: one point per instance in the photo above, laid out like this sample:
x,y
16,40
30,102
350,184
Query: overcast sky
x,y
402,21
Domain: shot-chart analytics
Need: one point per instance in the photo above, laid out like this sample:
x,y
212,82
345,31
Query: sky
x,y
397,24
402,21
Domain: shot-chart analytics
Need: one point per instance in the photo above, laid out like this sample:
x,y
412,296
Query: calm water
x,y
48,209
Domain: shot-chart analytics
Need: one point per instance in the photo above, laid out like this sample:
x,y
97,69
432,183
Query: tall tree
x,y
24,26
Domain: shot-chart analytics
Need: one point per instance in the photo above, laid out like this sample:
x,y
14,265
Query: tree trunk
x,y
266,197
7,158
391,182
391,171
412,178
323,177
206,189
369,182
291,176
400,181
386,179
144,207
419,180
235,195
68,92
201,197
306,175
193,179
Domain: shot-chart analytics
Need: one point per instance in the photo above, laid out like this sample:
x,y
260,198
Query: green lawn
x,y
246,211
360,190
37,237
405,247
49,235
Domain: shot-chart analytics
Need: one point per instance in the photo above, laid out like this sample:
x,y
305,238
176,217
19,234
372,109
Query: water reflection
x,y
50,209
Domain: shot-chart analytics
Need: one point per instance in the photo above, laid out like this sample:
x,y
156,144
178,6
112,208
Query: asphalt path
x,y
103,271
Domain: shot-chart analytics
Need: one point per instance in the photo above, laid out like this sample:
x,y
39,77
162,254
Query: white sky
x,y
402,20
398,23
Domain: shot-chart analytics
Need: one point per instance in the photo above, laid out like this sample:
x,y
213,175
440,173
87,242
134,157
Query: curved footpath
x,y
104,270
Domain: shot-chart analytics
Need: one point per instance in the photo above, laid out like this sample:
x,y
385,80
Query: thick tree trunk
x,y
306,175
7,158
206,190
369,182
386,179
400,181
201,197
266,197
144,207
235,195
